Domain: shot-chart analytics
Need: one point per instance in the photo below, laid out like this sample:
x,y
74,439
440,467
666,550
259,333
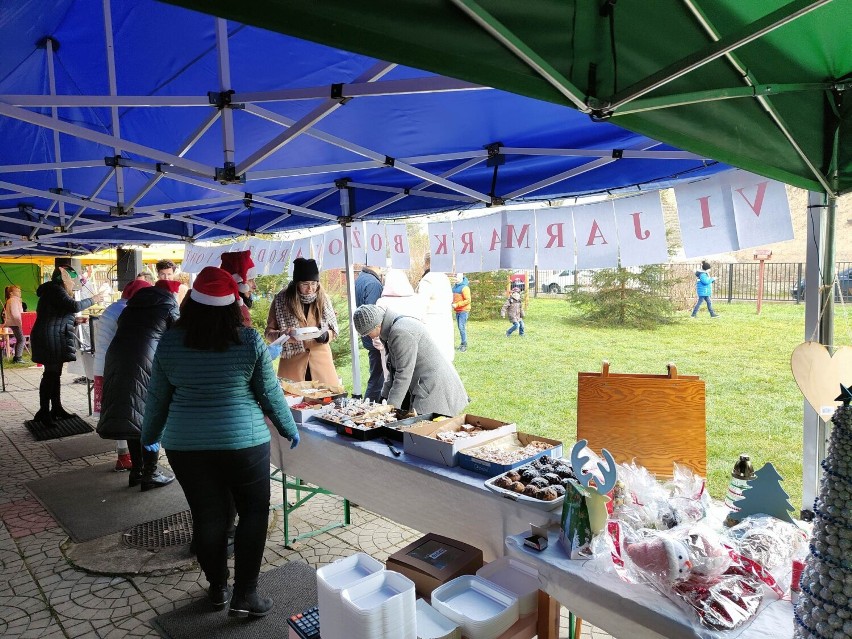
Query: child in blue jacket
x,y
704,288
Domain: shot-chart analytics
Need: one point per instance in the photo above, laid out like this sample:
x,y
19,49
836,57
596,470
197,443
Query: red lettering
x,y
637,227
397,244
284,253
261,255
758,198
356,237
335,246
272,254
467,242
495,239
376,242
441,249
554,232
595,233
298,253
519,237
706,223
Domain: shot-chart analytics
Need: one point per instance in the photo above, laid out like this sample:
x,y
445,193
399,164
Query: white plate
x,y
532,501
306,333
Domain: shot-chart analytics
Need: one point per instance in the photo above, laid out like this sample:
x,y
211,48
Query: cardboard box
x,y
467,457
434,560
420,440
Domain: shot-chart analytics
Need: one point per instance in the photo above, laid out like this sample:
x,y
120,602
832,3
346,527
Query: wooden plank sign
x,y
656,420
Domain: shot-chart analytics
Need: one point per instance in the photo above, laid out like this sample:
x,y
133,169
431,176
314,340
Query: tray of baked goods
x,y
541,483
507,452
358,418
312,390
395,430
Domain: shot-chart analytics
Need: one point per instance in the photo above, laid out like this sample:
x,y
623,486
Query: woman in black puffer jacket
x,y
53,340
127,371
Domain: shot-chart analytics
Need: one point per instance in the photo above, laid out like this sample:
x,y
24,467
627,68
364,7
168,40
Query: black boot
x,y
219,595
45,389
135,477
152,477
57,412
248,603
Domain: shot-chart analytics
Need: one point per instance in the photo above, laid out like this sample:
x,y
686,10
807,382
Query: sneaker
x,y
123,463
17,360
715,316
463,348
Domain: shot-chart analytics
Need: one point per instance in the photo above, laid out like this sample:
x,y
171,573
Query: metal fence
x,y
737,281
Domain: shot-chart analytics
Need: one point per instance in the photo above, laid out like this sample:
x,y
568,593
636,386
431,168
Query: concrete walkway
x,y
51,587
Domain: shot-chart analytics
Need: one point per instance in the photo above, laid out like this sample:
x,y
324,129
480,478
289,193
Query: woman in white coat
x,y
437,294
398,295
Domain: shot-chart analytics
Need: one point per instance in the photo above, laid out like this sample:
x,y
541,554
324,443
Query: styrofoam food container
x,y
483,609
331,580
307,332
379,589
381,606
518,578
431,624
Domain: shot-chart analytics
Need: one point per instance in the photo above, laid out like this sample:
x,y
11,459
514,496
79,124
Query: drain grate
x,y
174,530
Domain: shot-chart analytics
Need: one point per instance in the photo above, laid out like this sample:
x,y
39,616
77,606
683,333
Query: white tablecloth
x,y
635,611
410,490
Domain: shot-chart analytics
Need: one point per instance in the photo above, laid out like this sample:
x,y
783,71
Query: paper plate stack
x,y
483,609
381,606
516,577
331,581
431,624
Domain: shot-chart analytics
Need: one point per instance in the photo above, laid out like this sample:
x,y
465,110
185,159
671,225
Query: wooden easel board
x,y
655,419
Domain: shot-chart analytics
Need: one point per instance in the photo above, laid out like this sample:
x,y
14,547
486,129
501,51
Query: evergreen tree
x,y
824,608
765,496
623,297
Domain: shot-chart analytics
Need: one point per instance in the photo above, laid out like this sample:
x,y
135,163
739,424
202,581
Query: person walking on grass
x,y
514,308
704,288
461,305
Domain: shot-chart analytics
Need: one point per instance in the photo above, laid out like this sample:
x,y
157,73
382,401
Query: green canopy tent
x,y
763,85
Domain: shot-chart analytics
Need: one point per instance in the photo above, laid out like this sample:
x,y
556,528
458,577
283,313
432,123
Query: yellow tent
x,y
150,255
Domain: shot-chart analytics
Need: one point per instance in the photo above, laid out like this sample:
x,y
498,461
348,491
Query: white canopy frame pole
x,y
113,91
228,142
819,270
54,113
346,224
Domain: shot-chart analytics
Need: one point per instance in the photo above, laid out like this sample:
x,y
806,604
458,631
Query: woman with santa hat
x,y
241,267
211,386
303,303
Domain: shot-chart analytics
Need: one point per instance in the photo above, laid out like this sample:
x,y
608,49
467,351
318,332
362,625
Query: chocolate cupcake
x,y
560,490
513,475
552,478
564,472
518,487
539,482
531,491
503,482
529,474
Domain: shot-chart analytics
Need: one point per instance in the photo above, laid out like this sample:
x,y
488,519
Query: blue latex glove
x,y
294,441
274,351
152,448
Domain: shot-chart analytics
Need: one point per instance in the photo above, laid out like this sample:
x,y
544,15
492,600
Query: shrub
x,y
621,297
487,292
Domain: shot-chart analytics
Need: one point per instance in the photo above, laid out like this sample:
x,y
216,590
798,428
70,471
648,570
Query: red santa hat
x,y
214,287
241,267
172,286
131,288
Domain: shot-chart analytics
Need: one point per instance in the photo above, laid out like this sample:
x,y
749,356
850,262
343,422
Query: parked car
x,y
844,278
551,282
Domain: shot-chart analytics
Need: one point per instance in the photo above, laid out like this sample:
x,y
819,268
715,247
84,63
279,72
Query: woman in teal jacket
x,y
212,384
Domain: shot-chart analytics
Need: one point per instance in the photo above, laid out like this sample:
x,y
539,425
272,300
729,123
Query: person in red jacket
x,y
461,305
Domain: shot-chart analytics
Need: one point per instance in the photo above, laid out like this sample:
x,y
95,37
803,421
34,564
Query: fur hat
x,y
367,317
705,265
305,270
172,286
214,287
131,287
241,267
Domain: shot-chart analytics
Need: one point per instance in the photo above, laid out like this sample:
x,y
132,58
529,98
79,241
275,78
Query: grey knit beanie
x,y
367,317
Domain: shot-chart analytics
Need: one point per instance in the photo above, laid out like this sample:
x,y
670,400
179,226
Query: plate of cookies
x,y
541,483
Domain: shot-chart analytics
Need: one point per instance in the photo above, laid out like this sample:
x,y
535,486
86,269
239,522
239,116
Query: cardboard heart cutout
x,y
819,374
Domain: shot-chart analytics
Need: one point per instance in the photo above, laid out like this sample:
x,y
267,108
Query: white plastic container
x,y
332,580
483,609
431,624
381,606
516,577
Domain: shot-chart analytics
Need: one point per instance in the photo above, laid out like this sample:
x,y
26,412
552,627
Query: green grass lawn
x,y
753,403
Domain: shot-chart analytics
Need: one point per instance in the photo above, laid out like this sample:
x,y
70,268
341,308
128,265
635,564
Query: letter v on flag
x,y
761,210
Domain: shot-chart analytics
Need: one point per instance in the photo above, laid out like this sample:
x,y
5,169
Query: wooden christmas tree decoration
x,y
824,607
764,495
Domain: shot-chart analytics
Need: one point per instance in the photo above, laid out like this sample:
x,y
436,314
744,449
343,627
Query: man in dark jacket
x,y
127,372
53,338
368,289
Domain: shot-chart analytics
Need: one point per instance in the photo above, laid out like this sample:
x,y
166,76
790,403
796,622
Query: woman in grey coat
x,y
419,377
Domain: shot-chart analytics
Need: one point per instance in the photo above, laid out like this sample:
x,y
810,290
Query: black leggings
x,y
208,479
